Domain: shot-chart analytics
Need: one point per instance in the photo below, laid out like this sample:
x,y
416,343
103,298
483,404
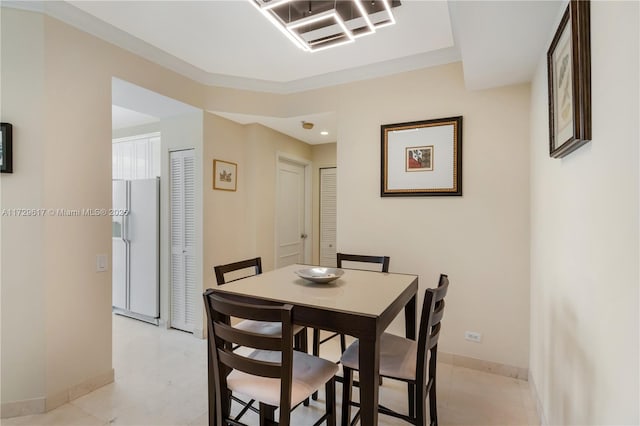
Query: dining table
x,y
359,303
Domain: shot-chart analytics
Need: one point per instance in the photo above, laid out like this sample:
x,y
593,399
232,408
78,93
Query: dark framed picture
x,y
569,72
225,175
421,158
6,148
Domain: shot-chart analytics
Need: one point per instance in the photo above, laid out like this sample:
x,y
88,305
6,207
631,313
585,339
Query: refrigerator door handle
x,y
125,218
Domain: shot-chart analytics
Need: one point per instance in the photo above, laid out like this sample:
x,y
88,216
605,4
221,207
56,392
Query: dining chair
x,y
272,373
355,258
342,257
247,268
243,269
406,360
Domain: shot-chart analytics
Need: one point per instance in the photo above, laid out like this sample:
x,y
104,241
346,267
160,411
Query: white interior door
x,y
184,296
291,235
328,226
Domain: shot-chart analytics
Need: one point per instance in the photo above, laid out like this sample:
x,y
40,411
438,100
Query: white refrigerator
x,y
136,249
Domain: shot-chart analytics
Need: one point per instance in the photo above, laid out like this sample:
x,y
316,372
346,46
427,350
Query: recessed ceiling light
x,y
324,133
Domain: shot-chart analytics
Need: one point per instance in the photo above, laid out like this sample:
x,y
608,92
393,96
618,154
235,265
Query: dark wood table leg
x,y
410,318
369,359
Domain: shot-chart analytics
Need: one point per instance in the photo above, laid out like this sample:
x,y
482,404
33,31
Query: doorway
x,y
293,211
177,126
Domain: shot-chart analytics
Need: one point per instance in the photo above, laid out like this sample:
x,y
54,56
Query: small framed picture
x,y
569,80
225,175
6,148
421,158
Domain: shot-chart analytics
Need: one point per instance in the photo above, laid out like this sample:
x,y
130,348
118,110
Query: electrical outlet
x,y
473,336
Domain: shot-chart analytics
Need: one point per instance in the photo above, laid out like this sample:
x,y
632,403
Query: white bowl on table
x,y
319,274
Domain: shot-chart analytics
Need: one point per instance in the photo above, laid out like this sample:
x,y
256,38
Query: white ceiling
x,y
501,42
229,43
232,38
136,98
122,118
292,126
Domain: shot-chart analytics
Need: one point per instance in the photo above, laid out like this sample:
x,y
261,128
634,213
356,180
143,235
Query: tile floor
x,y
160,379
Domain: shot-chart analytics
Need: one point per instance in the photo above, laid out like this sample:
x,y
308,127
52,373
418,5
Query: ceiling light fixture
x,y
306,125
319,24
324,133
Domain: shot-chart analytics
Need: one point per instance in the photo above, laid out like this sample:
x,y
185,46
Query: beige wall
x,y
22,255
323,156
228,226
56,322
51,294
264,145
240,225
480,239
56,309
584,240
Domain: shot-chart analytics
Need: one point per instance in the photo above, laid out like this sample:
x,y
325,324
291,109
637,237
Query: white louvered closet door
x,y
184,297
328,217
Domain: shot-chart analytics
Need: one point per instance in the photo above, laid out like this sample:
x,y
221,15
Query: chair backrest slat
x,y
248,365
433,336
262,312
247,339
438,313
382,260
222,270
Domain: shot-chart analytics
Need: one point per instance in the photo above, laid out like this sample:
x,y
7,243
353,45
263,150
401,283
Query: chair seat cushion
x,y
309,374
397,356
265,327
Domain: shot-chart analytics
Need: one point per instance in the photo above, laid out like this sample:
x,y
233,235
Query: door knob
x,y
303,236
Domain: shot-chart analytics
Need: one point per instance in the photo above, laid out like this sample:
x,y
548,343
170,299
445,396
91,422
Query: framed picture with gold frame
x,y
225,175
421,158
569,81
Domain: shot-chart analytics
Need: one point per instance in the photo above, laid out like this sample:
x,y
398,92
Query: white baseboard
x,y
42,405
22,408
81,389
486,366
199,333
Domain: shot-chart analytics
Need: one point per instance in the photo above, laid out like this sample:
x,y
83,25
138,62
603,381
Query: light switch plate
x,y
101,263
